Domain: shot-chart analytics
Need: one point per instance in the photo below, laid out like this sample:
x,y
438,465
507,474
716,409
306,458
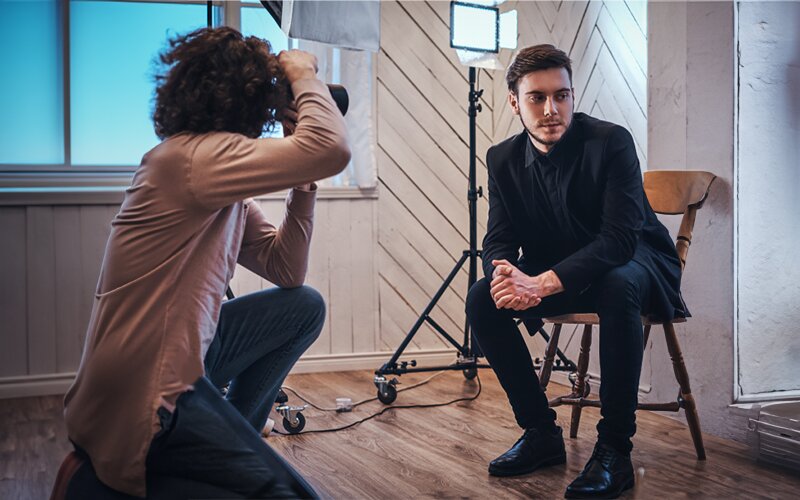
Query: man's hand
x,y
298,64
513,289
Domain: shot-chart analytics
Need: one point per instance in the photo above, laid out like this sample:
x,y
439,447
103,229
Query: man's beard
x,y
540,140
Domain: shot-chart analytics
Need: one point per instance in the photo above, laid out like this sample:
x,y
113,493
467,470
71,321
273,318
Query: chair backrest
x,y
678,192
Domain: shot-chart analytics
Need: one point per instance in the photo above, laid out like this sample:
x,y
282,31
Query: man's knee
x,y
619,288
479,299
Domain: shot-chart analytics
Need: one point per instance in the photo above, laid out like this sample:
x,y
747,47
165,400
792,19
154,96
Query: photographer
x,y
145,404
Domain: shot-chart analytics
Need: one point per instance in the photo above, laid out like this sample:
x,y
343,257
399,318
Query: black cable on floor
x,y
363,401
394,407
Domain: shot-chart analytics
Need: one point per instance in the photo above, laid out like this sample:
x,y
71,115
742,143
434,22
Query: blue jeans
x,y
619,298
259,338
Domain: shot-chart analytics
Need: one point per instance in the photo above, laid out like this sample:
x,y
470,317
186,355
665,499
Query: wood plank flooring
x,y
423,453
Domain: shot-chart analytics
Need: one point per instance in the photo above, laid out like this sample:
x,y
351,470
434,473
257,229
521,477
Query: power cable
x,y
358,403
393,407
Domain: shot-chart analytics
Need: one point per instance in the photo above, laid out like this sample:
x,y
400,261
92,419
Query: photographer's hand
x,y
298,65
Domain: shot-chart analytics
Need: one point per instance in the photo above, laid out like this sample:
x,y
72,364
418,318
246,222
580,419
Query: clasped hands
x,y
513,289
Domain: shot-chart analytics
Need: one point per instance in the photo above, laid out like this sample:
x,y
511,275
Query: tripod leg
x,y
424,315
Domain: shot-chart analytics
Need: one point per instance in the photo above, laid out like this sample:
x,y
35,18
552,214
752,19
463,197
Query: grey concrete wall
x,y
691,56
768,205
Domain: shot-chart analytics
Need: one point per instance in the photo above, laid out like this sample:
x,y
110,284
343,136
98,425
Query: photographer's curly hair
x,y
214,79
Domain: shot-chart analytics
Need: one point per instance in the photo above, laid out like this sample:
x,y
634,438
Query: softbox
x,y
348,24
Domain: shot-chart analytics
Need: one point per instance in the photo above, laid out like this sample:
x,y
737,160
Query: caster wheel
x,y
470,373
297,426
281,398
388,394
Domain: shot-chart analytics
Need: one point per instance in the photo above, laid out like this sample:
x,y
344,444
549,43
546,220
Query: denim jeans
x,y
619,298
259,338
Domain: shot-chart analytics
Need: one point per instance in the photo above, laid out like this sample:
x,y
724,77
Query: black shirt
x,y
579,210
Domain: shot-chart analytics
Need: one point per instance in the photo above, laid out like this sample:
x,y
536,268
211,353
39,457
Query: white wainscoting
x,y
50,259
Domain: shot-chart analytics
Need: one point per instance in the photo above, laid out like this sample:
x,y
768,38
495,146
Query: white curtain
x,y
354,70
345,24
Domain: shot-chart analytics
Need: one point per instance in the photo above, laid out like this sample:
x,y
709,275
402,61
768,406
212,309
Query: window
x,y
81,88
112,48
31,90
256,21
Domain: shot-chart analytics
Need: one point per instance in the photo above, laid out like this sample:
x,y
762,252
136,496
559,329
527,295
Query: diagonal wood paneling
x,y
608,47
423,160
423,135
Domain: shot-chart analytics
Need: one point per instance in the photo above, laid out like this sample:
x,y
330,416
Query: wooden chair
x,y
669,192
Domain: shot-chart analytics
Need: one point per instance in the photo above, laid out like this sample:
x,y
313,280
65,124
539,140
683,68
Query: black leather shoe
x,y
606,475
532,451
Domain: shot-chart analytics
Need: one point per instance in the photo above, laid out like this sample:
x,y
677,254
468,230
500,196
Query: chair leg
x,y
646,336
682,377
580,382
549,357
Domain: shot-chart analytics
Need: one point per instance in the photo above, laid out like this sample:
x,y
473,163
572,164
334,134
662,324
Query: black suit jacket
x,y
590,216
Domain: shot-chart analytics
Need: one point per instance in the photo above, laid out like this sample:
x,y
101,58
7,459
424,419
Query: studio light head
x,y
474,27
478,30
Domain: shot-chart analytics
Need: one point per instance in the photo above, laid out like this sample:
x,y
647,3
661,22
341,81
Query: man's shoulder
x,y
594,129
502,151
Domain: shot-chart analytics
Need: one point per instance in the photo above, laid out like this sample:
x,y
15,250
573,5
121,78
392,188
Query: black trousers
x,y
619,298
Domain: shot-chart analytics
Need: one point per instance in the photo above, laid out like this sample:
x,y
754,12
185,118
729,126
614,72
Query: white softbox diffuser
x,y
352,24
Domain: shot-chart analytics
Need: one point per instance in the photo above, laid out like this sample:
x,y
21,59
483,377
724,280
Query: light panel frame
x,y
453,5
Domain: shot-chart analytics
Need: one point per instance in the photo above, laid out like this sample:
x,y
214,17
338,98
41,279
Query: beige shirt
x,y
184,224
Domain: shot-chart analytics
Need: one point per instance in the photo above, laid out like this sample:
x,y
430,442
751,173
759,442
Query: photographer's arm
x,y
279,255
227,168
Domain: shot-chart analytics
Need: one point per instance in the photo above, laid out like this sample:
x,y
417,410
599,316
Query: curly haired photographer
x,y
145,405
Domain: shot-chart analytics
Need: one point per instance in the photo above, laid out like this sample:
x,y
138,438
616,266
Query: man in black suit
x,y
568,193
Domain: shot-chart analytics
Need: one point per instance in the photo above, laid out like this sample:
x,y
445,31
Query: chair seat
x,y
593,319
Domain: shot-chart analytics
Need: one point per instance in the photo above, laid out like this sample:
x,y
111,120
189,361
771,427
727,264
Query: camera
x,y
340,97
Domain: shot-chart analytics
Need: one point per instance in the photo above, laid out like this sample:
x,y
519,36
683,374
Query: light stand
x,y
468,351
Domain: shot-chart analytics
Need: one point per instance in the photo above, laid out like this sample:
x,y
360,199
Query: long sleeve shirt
x,y
185,222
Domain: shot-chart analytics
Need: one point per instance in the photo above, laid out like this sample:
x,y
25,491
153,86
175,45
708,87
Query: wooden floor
x,y
423,453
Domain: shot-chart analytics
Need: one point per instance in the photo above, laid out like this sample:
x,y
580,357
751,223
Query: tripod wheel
x,y
388,395
297,426
470,373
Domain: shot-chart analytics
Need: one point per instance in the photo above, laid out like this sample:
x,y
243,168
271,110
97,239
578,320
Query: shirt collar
x,y
560,152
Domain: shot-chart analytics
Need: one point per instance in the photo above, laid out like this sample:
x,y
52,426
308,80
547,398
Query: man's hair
x,y
536,58
214,79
